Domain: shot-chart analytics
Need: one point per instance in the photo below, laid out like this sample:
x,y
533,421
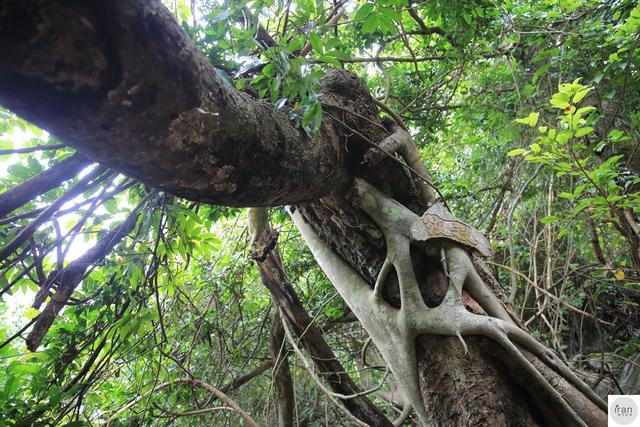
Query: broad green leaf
x,y
370,24
31,312
22,368
559,103
363,12
316,43
530,120
580,95
560,99
583,131
549,219
516,152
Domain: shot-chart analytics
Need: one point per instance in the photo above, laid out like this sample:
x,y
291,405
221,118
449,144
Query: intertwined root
x,y
395,330
451,318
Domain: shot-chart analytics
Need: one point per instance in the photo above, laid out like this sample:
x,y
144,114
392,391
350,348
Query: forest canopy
x,y
133,291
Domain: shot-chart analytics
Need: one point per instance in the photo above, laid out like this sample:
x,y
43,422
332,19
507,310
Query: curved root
x,y
395,330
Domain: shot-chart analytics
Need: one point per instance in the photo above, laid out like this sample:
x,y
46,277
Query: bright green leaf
x,y
363,12
516,152
583,131
530,120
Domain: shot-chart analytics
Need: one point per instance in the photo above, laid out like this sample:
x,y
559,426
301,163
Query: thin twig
x,y
32,149
546,292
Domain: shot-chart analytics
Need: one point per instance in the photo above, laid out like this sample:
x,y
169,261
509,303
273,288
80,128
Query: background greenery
x,y
526,114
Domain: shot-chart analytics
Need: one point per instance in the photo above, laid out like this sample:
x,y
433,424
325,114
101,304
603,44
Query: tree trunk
x,y
281,374
121,82
267,258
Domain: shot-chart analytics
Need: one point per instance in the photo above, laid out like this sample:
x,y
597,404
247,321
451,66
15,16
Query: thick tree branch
x,y
425,30
41,183
124,74
284,296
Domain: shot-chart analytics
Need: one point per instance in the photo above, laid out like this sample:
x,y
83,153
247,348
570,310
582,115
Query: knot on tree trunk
x,y
264,244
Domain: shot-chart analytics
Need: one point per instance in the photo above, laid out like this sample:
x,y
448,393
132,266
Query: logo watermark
x,y
623,410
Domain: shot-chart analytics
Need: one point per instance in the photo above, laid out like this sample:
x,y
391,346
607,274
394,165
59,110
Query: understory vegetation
x,y
525,115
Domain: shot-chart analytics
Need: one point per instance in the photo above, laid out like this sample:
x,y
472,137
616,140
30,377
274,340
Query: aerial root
x,y
464,344
382,277
514,333
554,362
443,262
414,318
406,410
499,335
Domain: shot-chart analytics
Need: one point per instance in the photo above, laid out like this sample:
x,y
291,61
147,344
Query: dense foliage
x,y
525,114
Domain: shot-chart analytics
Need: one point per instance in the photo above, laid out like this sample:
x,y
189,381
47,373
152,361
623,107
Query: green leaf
x,y
559,103
565,195
615,135
11,385
548,219
614,198
530,120
370,24
581,94
562,233
21,368
560,99
598,77
583,131
329,60
535,148
390,13
563,96
563,136
314,112
584,203
585,110
516,152
31,312
540,72
363,12
316,43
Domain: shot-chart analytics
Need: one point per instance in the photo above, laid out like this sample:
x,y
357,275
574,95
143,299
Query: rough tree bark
x,y
289,307
282,383
123,84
